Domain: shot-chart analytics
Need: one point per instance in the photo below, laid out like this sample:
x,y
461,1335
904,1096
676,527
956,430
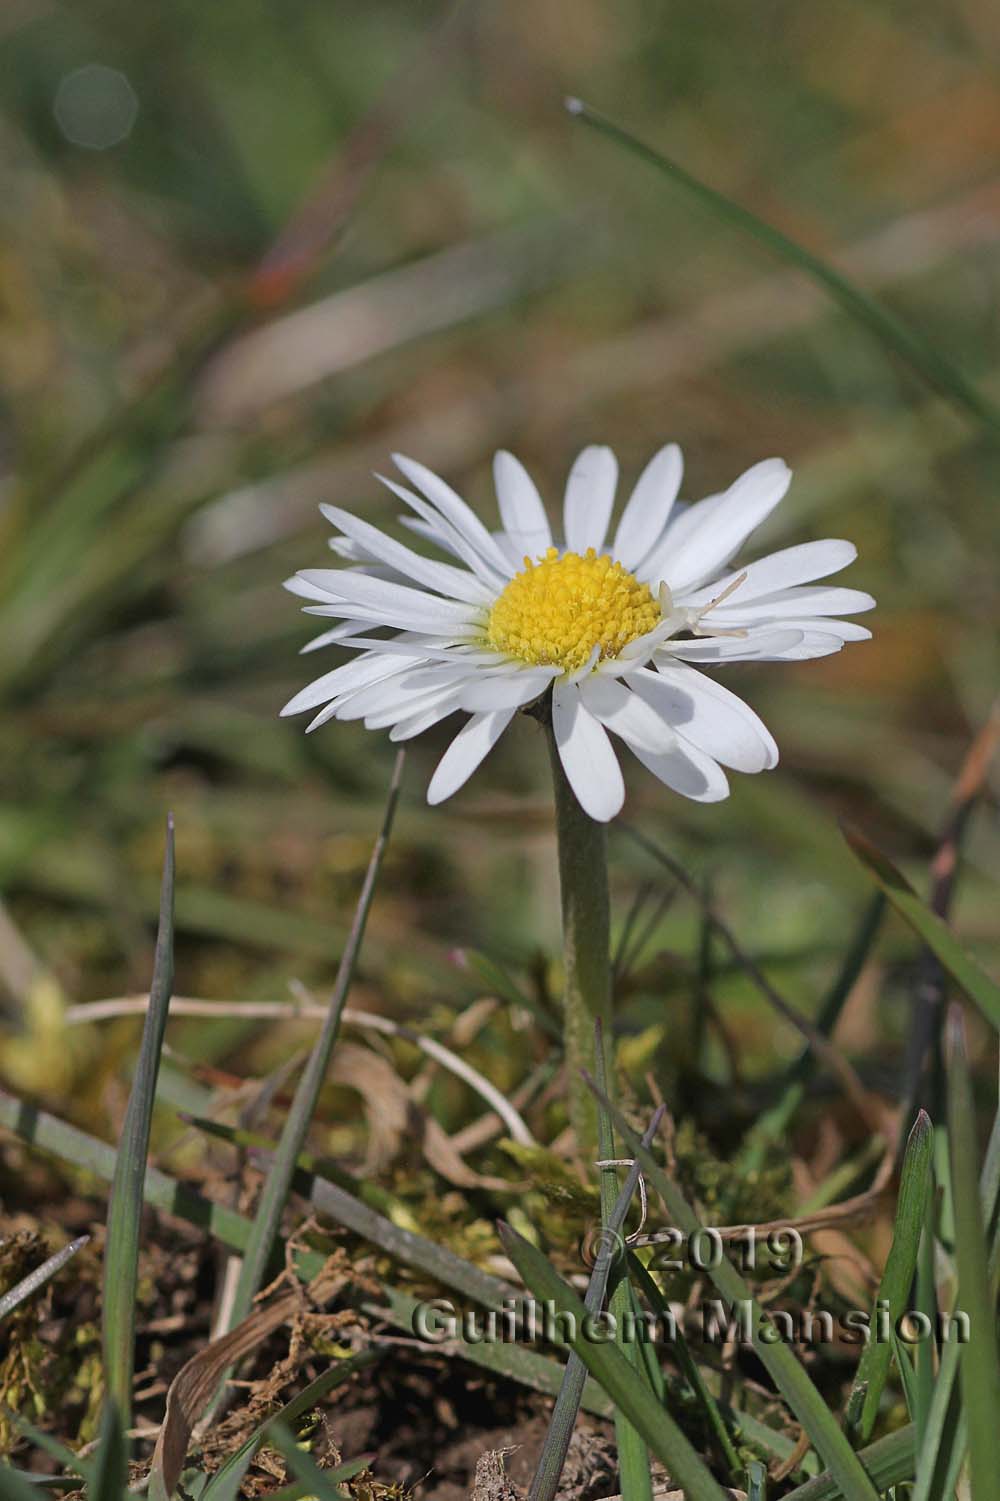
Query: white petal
x,y
407,706
393,604
779,570
521,508
625,714
709,716
588,760
441,532
416,724
810,600
355,674
590,496
454,509
688,771
395,696
470,746
336,634
453,583
650,503
757,646
504,690
726,525
844,630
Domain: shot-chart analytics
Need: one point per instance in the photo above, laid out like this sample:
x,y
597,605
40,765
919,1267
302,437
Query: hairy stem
x,y
583,880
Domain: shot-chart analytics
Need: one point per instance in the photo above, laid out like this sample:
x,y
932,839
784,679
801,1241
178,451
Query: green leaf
x,y
689,1369
279,1179
787,1373
552,1458
964,970
980,1367
908,343
121,1256
609,1367
897,1277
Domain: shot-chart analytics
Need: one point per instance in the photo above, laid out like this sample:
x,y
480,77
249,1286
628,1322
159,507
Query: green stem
x,y
583,880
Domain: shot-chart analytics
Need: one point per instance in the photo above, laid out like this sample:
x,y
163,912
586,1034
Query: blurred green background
x,y
498,275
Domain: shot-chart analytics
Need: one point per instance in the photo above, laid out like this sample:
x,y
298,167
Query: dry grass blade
x,y
195,1383
121,1256
537,1372
136,1005
275,1192
38,1278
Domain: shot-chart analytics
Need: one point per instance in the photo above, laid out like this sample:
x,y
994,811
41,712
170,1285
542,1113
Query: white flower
x,y
619,630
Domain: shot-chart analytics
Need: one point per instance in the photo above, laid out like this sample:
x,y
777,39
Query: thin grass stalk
x,y
121,1256
279,1179
908,344
29,1285
583,884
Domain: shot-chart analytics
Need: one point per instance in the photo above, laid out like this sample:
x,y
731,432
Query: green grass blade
x,y
496,978
323,1483
889,1461
924,1356
121,1255
14,1487
964,970
609,1367
980,1367
633,1457
900,1266
225,1483
714,1420
279,1179
907,343
38,1278
52,1447
231,1229
111,1463
787,1373
545,1481
771,1127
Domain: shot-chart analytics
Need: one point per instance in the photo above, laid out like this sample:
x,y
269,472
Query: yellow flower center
x,y
559,608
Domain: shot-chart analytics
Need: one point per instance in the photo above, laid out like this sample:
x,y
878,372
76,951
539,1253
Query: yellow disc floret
x,y
559,609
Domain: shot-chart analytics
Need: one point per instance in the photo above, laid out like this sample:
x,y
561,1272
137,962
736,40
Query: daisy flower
x,y
616,627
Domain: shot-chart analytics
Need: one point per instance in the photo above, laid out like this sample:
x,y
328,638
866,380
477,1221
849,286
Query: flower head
x,y
617,632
